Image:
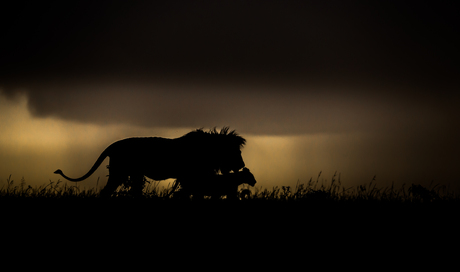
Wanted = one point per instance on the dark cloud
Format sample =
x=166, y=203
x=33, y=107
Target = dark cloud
x=382, y=40
x=277, y=67
x=251, y=108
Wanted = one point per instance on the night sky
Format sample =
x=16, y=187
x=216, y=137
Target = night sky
x=363, y=88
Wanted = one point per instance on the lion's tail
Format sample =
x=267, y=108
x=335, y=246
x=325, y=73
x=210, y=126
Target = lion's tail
x=91, y=171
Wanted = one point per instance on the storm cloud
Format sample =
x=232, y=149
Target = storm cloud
x=382, y=40
x=266, y=67
x=256, y=109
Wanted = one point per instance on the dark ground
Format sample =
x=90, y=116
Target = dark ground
x=130, y=233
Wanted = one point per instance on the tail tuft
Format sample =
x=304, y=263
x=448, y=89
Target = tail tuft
x=58, y=172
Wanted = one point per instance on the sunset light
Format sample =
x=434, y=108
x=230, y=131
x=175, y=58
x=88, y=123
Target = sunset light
x=229, y=132
x=361, y=90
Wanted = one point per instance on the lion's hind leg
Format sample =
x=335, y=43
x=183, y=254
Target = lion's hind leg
x=137, y=185
x=115, y=180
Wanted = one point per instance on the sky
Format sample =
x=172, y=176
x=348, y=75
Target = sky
x=362, y=88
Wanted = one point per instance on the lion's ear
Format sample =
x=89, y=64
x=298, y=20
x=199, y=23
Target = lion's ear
x=246, y=170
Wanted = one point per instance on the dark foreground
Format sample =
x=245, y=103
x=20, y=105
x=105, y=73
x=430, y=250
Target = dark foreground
x=274, y=214
x=256, y=233
x=305, y=205
x=281, y=226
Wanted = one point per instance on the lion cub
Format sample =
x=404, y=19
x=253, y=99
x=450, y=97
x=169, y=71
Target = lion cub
x=216, y=185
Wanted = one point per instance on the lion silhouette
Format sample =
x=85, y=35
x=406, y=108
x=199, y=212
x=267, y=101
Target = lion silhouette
x=196, y=154
x=215, y=186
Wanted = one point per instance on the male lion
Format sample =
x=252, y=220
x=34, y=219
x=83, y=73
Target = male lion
x=196, y=154
x=215, y=185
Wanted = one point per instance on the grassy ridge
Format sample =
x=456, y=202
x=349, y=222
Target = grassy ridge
x=317, y=214
x=312, y=191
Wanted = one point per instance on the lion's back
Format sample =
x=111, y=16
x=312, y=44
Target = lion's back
x=141, y=145
x=161, y=158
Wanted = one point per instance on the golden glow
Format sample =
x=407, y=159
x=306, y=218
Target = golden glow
x=284, y=160
x=34, y=148
x=23, y=132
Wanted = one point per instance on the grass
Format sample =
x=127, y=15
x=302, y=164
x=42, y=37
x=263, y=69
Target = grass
x=325, y=213
x=310, y=192
x=51, y=190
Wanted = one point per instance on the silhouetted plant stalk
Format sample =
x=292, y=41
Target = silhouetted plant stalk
x=50, y=190
x=313, y=190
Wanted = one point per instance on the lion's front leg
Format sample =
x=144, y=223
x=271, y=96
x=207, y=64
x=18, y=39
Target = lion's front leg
x=232, y=193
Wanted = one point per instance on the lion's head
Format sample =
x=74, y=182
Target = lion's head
x=221, y=148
